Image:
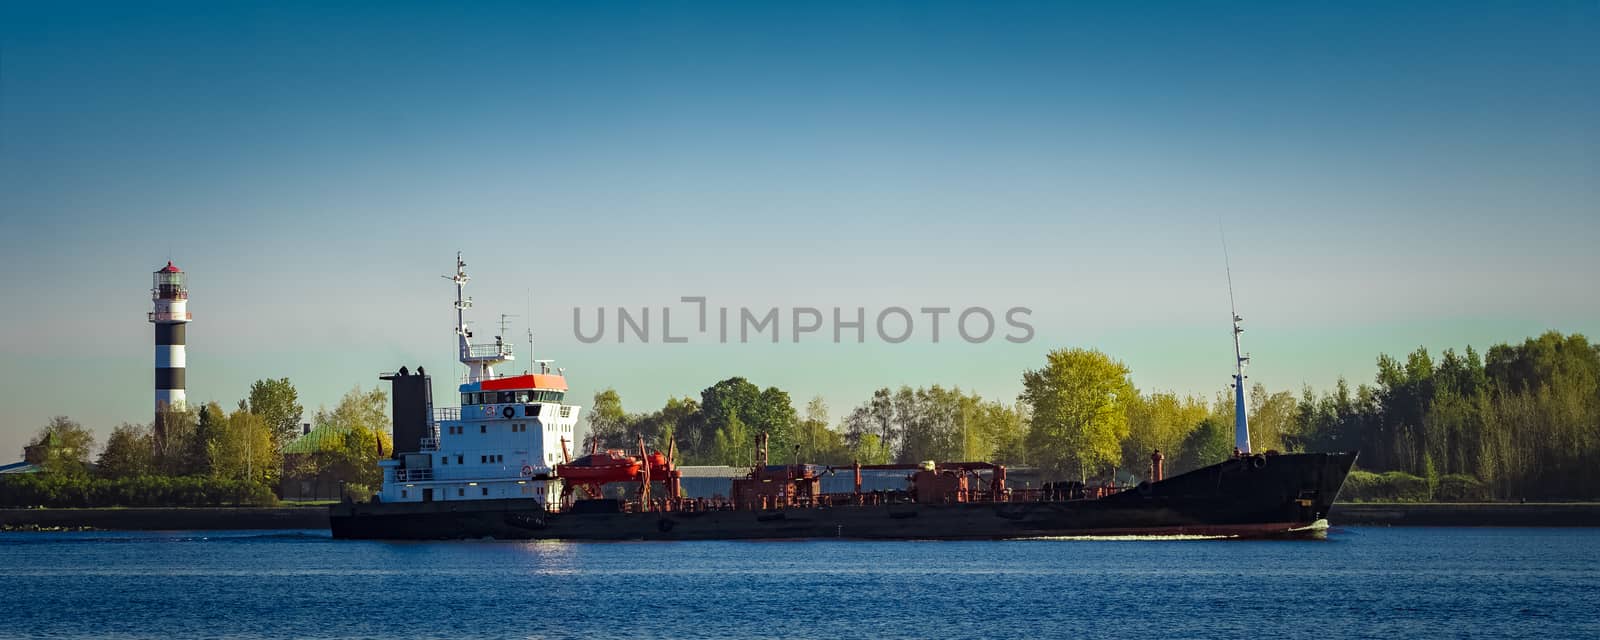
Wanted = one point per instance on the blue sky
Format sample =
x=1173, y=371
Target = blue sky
x=1390, y=176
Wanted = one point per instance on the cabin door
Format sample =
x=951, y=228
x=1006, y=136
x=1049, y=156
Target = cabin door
x=427, y=495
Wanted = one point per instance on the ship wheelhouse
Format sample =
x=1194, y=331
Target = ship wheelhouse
x=502, y=442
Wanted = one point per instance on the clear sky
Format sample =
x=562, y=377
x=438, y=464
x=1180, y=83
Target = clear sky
x=1390, y=175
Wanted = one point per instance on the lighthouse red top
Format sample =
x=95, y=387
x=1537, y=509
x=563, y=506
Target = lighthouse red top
x=169, y=268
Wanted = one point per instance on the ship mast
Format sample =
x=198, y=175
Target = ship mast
x=1241, y=422
x=482, y=360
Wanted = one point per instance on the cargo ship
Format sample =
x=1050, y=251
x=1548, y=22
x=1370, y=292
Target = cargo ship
x=500, y=466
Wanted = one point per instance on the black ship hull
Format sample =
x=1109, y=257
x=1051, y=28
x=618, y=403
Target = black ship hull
x=1266, y=496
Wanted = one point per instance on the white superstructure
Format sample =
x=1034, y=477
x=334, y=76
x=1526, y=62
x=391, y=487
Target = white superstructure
x=502, y=442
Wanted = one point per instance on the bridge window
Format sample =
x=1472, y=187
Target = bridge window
x=522, y=397
x=466, y=398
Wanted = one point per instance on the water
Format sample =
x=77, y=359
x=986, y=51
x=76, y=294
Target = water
x=1360, y=582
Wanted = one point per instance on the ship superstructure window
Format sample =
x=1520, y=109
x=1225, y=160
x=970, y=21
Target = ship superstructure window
x=403, y=493
x=522, y=397
x=461, y=493
x=466, y=398
x=485, y=491
x=459, y=458
x=531, y=410
x=483, y=428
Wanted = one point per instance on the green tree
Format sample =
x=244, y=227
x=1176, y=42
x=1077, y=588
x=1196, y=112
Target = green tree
x=734, y=443
x=607, y=421
x=1003, y=431
x=199, y=450
x=244, y=449
x=666, y=425
x=129, y=453
x=818, y=443
x=61, y=447
x=1271, y=416
x=362, y=421
x=1159, y=421
x=278, y=404
x=172, y=434
x=1078, y=402
x=757, y=410
x=1210, y=442
x=875, y=417
x=870, y=449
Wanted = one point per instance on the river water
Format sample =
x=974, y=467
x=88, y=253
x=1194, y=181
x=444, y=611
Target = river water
x=1359, y=582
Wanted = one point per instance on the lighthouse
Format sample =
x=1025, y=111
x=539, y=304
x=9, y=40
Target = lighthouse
x=171, y=316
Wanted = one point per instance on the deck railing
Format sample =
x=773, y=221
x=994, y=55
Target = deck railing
x=486, y=351
x=413, y=475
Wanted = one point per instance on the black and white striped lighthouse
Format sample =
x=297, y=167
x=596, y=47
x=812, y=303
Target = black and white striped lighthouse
x=171, y=316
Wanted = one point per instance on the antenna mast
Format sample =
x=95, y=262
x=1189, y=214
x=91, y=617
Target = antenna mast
x=1241, y=422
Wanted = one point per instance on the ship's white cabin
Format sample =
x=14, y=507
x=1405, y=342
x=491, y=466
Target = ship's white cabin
x=502, y=442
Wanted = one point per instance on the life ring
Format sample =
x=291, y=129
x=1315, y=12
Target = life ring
x=1258, y=462
x=527, y=470
x=1145, y=488
x=508, y=412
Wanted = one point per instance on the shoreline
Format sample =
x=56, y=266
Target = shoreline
x=1422, y=514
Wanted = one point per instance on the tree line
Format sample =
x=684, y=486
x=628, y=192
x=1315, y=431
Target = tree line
x=203, y=454
x=1521, y=422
